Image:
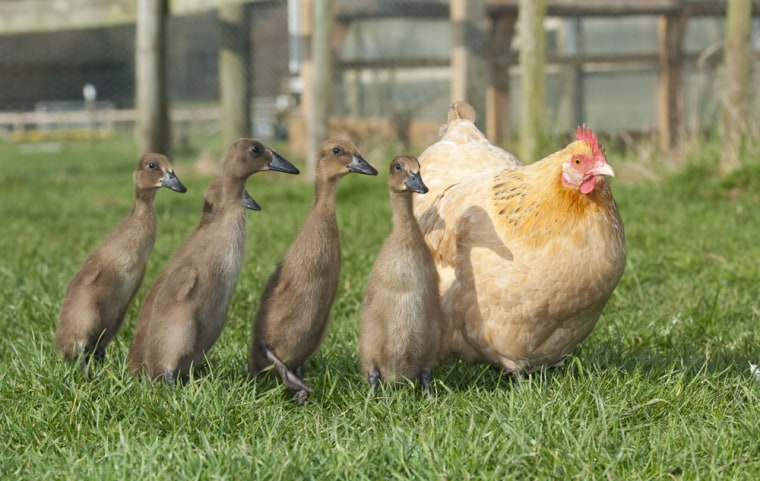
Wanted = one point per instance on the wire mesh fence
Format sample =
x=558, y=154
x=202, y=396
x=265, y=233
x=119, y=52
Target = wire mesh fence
x=393, y=62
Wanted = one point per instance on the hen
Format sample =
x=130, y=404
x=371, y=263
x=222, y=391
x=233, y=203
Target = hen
x=527, y=255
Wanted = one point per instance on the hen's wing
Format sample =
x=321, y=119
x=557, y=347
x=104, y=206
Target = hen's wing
x=461, y=216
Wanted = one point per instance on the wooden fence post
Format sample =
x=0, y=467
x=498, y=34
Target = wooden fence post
x=671, y=29
x=737, y=61
x=469, y=70
x=152, y=126
x=498, y=115
x=321, y=84
x=532, y=76
x=234, y=72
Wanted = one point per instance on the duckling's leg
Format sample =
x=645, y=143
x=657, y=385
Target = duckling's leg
x=425, y=378
x=86, y=353
x=85, y=365
x=171, y=376
x=100, y=353
x=288, y=378
x=373, y=377
x=515, y=378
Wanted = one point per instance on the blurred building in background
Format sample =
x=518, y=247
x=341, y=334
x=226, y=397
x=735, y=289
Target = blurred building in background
x=392, y=63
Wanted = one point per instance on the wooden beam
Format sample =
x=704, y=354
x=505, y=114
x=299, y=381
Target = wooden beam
x=49, y=15
x=53, y=15
x=605, y=8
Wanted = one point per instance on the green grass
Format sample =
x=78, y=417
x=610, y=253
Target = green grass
x=660, y=390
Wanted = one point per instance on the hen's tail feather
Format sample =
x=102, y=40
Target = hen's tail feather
x=461, y=110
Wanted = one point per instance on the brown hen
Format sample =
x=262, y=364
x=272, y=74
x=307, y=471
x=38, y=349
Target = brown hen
x=527, y=255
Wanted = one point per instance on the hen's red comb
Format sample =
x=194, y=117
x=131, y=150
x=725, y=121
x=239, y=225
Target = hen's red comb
x=585, y=134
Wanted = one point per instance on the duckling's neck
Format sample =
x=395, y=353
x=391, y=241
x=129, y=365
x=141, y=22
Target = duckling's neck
x=144, y=201
x=403, y=215
x=232, y=194
x=325, y=193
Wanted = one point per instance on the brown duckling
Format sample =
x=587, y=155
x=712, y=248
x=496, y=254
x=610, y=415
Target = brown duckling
x=211, y=198
x=401, y=312
x=99, y=294
x=295, y=305
x=186, y=308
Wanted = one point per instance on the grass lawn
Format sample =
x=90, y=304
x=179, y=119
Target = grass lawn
x=660, y=390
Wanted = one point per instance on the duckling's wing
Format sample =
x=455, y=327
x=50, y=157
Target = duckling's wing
x=89, y=272
x=180, y=284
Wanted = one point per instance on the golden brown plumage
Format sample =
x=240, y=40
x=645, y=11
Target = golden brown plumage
x=185, y=309
x=295, y=306
x=528, y=255
x=401, y=312
x=98, y=295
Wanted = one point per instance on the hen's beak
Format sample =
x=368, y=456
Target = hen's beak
x=604, y=169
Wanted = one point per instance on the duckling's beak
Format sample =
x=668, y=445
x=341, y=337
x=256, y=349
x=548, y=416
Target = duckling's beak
x=171, y=181
x=415, y=184
x=249, y=203
x=281, y=164
x=361, y=166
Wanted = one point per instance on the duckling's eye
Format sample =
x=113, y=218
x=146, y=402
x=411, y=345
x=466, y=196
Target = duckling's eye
x=256, y=148
x=398, y=167
x=577, y=161
x=337, y=150
x=152, y=165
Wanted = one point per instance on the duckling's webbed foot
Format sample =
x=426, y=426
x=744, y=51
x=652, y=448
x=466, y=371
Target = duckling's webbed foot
x=373, y=377
x=425, y=379
x=171, y=376
x=86, y=354
x=289, y=379
x=301, y=397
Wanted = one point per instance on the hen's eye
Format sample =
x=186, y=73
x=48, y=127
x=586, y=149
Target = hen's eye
x=152, y=165
x=337, y=150
x=577, y=161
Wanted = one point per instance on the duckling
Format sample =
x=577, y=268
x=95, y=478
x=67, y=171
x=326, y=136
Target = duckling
x=99, y=294
x=295, y=305
x=211, y=198
x=401, y=312
x=186, y=308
